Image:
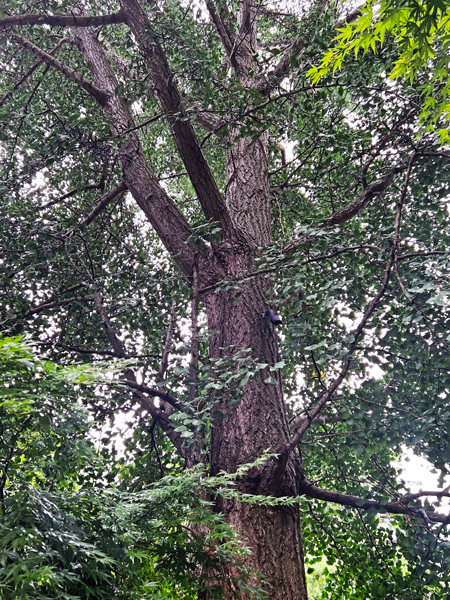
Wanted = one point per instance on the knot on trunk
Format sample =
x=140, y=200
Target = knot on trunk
x=266, y=479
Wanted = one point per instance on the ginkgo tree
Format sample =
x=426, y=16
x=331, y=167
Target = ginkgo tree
x=177, y=194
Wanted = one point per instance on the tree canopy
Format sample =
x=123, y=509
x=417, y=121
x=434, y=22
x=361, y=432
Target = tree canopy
x=173, y=185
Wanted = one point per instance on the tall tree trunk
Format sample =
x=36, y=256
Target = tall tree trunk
x=258, y=421
x=252, y=425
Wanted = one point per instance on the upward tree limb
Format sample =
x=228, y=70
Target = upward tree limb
x=353, y=208
x=104, y=202
x=312, y=414
x=49, y=60
x=222, y=23
x=245, y=45
x=159, y=208
x=295, y=50
x=184, y=135
x=31, y=70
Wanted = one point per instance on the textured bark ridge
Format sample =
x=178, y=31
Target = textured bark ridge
x=247, y=196
x=259, y=420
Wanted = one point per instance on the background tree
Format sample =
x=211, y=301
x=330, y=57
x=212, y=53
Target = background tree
x=146, y=182
x=421, y=31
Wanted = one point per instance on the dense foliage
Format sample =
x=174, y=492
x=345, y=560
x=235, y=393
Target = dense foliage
x=421, y=31
x=95, y=498
x=71, y=525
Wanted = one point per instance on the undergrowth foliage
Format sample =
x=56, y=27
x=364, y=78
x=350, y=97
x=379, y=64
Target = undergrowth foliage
x=66, y=533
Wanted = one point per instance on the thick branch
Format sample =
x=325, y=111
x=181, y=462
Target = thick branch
x=220, y=24
x=62, y=20
x=294, y=51
x=296, y=421
x=115, y=342
x=416, y=254
x=344, y=214
x=356, y=206
x=49, y=60
x=184, y=135
x=400, y=507
x=438, y=493
x=83, y=350
x=159, y=208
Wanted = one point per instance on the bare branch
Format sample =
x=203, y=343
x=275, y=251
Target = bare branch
x=70, y=193
x=46, y=305
x=296, y=421
x=61, y=20
x=437, y=493
x=400, y=507
x=84, y=350
x=72, y=288
x=258, y=107
x=104, y=202
x=155, y=393
x=144, y=123
x=165, y=355
x=287, y=249
x=31, y=70
x=49, y=60
x=415, y=254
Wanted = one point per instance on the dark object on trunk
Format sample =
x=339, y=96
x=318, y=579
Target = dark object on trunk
x=274, y=318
